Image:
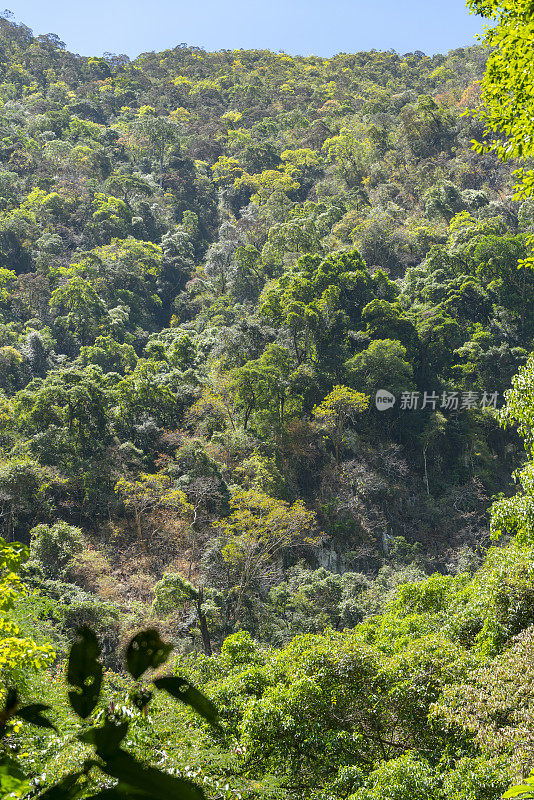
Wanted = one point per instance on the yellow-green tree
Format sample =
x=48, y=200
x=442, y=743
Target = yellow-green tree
x=218, y=397
x=16, y=651
x=149, y=495
x=78, y=309
x=337, y=410
x=257, y=531
x=351, y=152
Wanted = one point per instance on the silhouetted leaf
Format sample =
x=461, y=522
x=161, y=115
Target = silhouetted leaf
x=84, y=672
x=117, y=793
x=141, y=697
x=10, y=705
x=107, y=739
x=145, y=650
x=182, y=690
x=148, y=781
x=121, y=791
x=33, y=713
x=12, y=698
x=67, y=788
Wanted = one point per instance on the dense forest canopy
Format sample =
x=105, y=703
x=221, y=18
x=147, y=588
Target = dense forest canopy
x=258, y=316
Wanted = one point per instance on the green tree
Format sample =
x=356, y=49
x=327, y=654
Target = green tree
x=128, y=186
x=383, y=365
x=68, y=414
x=173, y=590
x=263, y=386
x=516, y=514
x=337, y=410
x=154, y=134
x=316, y=301
x=54, y=546
x=78, y=310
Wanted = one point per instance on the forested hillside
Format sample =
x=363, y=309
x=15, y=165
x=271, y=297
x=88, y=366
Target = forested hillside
x=210, y=264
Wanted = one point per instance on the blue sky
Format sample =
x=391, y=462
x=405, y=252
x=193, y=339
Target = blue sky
x=296, y=26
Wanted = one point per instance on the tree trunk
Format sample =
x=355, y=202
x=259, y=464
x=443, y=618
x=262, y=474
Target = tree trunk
x=138, y=526
x=426, y=472
x=206, y=641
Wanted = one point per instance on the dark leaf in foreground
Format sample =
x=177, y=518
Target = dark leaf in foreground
x=107, y=739
x=182, y=690
x=10, y=705
x=84, y=672
x=118, y=792
x=66, y=789
x=148, y=781
x=33, y=713
x=146, y=650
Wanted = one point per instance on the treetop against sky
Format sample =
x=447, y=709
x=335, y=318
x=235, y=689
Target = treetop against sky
x=300, y=27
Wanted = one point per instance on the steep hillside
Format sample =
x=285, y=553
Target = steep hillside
x=265, y=390
x=210, y=264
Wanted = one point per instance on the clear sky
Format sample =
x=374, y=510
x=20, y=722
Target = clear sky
x=298, y=27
